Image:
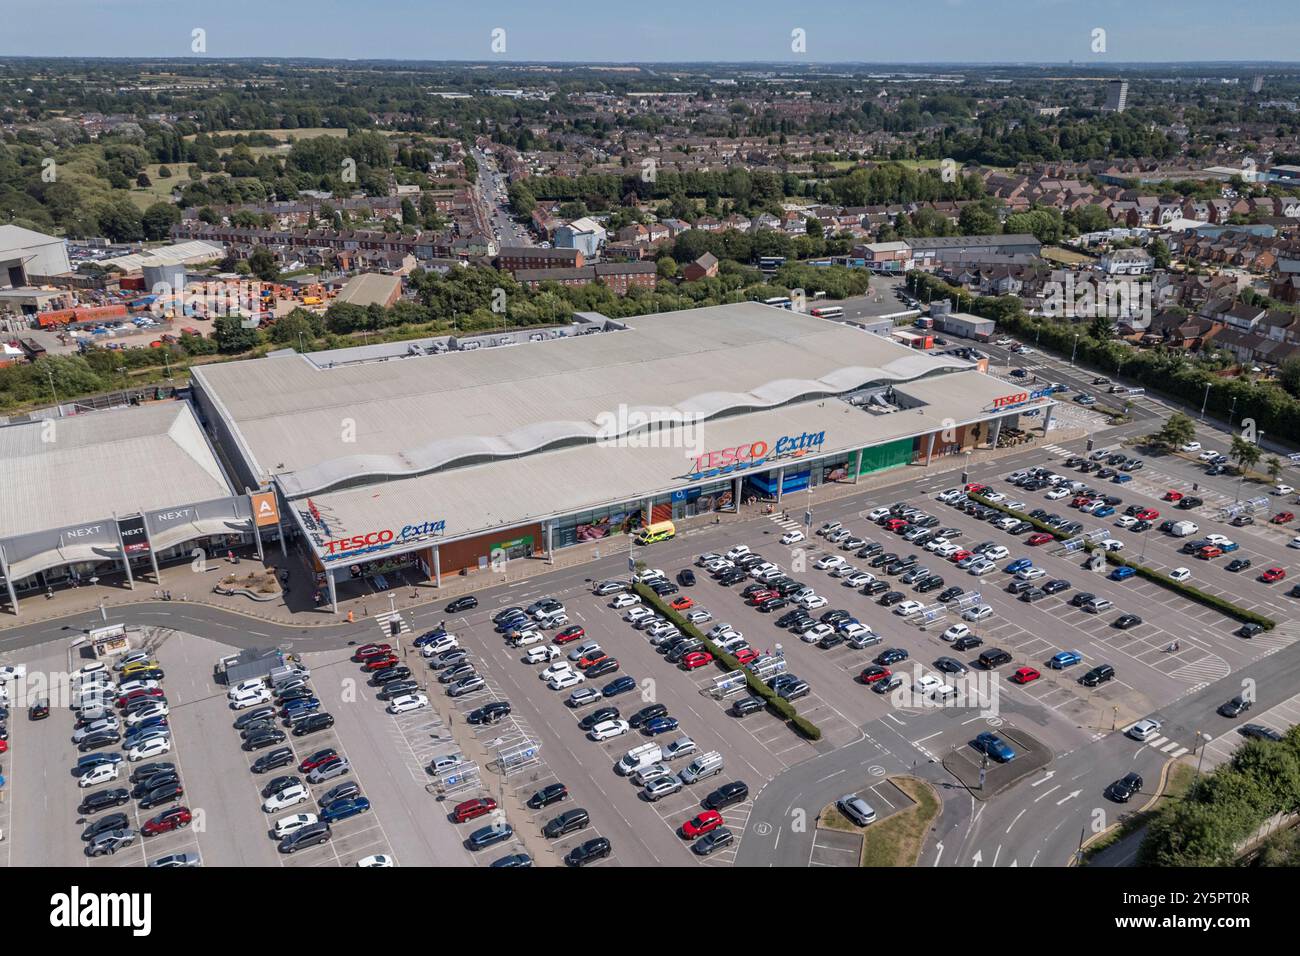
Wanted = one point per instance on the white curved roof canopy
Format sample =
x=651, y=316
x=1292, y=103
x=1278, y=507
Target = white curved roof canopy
x=538, y=436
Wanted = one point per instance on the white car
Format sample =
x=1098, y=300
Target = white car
x=444, y=643
x=792, y=537
x=875, y=514
x=844, y=571
x=739, y=551
x=290, y=796
x=859, y=579
x=134, y=685
x=996, y=553
x=927, y=684
x=582, y=650
x=1208, y=455
x=956, y=631
x=698, y=615
x=565, y=681
x=830, y=563
x=981, y=567
x=12, y=672
x=1056, y=493
x=706, y=557
x=94, y=727
x=525, y=638
x=1144, y=729
x=1283, y=490
x=994, y=496
x=1031, y=574
x=245, y=687
x=1190, y=446
x=97, y=775
x=251, y=699
x=947, y=549
x=608, y=729
x=908, y=607
x=293, y=823
x=1125, y=521
x=815, y=634
x=948, y=497
x=649, y=574
x=159, y=709
x=407, y=703
x=1219, y=539
x=625, y=600
x=1180, y=574
x=810, y=602
x=555, y=670
x=722, y=632
x=379, y=860
x=1111, y=544
x=147, y=750
x=540, y=655
x=1294, y=542
x=934, y=544
x=980, y=613
x=638, y=614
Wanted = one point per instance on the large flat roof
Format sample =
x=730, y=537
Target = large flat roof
x=316, y=427
x=64, y=471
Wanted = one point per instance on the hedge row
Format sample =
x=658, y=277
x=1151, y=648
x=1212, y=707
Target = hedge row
x=775, y=703
x=1226, y=608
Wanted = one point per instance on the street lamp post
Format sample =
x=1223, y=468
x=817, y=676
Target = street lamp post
x=1205, y=401
x=1203, y=739
x=1074, y=350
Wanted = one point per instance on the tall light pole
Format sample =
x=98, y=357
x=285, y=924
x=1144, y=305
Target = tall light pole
x=1074, y=350
x=1205, y=401
x=1204, y=740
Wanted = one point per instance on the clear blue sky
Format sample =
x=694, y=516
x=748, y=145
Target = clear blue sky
x=873, y=31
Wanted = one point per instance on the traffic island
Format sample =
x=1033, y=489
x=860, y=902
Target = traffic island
x=906, y=807
x=966, y=763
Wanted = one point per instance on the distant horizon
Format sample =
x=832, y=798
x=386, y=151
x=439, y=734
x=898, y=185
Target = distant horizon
x=1097, y=33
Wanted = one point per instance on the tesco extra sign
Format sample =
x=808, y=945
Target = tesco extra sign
x=755, y=453
x=376, y=540
x=1005, y=400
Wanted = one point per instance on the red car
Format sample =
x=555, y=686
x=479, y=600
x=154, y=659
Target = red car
x=745, y=655
x=318, y=758
x=682, y=603
x=961, y=555
x=470, y=809
x=1038, y=537
x=367, y=651
x=571, y=633
x=1173, y=496
x=139, y=695
x=1209, y=551
x=701, y=824
x=1147, y=514
x=587, y=660
x=696, y=659
x=177, y=818
x=895, y=524
x=874, y=673
x=1282, y=517
x=975, y=487
x=1080, y=501
x=1272, y=575
x=1025, y=675
x=4, y=746
x=379, y=663
x=758, y=597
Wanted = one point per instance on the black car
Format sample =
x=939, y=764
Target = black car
x=98, y=739
x=567, y=822
x=1098, y=675
x=713, y=840
x=153, y=782
x=834, y=616
x=790, y=617
x=396, y=672
x=875, y=587
x=599, y=715
x=731, y=578
x=967, y=642
x=1056, y=585
x=728, y=795
x=773, y=604
x=834, y=639
x=264, y=738
x=114, y=821
x=1238, y=564
x=313, y=723
x=160, y=795
x=747, y=705
x=1126, y=621
x=686, y=577
x=513, y=860
x=1188, y=503
x=280, y=757
x=1081, y=598
x=1249, y=630
x=891, y=598
x=891, y=656
x=491, y=713
x=102, y=800
x=589, y=852
x=870, y=550
x=1123, y=789
x=147, y=770
x=646, y=714
x=602, y=667
x=281, y=783
x=297, y=693
x=950, y=594
x=1258, y=732
x=552, y=793
x=950, y=665
x=397, y=688
x=253, y=716
x=466, y=603
x=1235, y=707
x=258, y=727
x=925, y=585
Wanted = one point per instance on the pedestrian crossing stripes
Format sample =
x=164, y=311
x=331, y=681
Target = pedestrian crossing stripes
x=789, y=524
x=1170, y=748
x=384, y=622
x=1209, y=668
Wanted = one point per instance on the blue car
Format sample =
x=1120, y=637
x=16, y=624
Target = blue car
x=619, y=686
x=1122, y=573
x=430, y=636
x=512, y=624
x=995, y=747
x=487, y=836
x=659, y=725
x=1226, y=546
x=1020, y=564
x=1065, y=659
x=342, y=809
x=302, y=703
x=1105, y=511
x=1121, y=479
x=845, y=624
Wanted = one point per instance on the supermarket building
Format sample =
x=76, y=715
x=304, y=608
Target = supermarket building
x=434, y=462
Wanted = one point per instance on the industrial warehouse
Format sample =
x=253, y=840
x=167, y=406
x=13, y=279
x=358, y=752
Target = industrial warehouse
x=456, y=456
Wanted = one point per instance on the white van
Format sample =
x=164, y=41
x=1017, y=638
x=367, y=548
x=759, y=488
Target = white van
x=1182, y=529
x=705, y=765
x=638, y=758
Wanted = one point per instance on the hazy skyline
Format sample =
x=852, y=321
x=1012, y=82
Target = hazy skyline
x=869, y=31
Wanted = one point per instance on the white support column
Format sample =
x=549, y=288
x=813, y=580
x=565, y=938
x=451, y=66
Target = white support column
x=857, y=465
x=9, y=581
x=780, y=483
x=334, y=594
x=126, y=558
x=735, y=494
x=994, y=432
x=929, y=450
x=1047, y=419
x=153, y=555
x=550, y=552
x=437, y=566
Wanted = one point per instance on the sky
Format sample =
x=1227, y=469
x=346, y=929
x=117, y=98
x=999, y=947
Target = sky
x=859, y=31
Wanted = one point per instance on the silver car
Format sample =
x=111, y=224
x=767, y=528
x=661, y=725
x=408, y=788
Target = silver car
x=466, y=685
x=178, y=859
x=583, y=696
x=106, y=844
x=661, y=787
x=328, y=771
x=856, y=809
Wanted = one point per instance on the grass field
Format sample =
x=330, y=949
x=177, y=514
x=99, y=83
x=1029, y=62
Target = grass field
x=898, y=839
x=1067, y=256
x=160, y=189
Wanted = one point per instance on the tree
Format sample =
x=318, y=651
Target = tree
x=233, y=337
x=1274, y=465
x=1101, y=328
x=263, y=265
x=976, y=220
x=1289, y=375
x=1177, y=430
x=1160, y=256
x=158, y=220
x=1245, y=453
x=121, y=221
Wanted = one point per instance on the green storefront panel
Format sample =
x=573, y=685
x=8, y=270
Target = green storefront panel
x=892, y=455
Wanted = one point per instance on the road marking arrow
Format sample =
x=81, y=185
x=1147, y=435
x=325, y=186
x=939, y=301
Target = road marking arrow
x=979, y=855
x=1043, y=779
x=1068, y=796
x=939, y=847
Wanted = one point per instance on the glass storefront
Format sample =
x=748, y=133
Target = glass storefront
x=891, y=455
x=690, y=502
x=601, y=523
